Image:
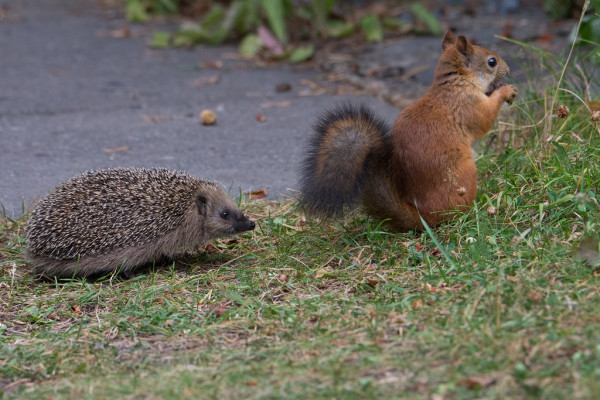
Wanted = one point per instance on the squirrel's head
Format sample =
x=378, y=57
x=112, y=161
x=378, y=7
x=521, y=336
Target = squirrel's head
x=480, y=66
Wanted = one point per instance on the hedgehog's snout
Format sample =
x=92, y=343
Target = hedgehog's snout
x=244, y=224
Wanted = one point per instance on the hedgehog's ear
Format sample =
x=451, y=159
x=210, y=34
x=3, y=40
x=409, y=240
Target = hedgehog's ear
x=202, y=204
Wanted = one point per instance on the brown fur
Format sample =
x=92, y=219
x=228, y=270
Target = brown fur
x=424, y=167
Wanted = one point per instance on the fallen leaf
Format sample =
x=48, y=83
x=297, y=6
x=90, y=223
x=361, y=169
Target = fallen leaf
x=372, y=282
x=478, y=382
x=593, y=105
x=120, y=33
x=261, y=118
x=116, y=149
x=212, y=65
x=257, y=194
x=536, y=297
x=321, y=272
x=562, y=111
x=157, y=119
x=547, y=37
x=76, y=310
x=251, y=383
x=206, y=81
x=507, y=29
x=417, y=304
x=285, y=103
x=283, y=87
x=221, y=310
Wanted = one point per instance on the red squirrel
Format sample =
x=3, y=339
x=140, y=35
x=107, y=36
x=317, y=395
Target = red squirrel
x=422, y=166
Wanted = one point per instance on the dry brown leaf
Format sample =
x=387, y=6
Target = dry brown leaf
x=206, y=81
x=270, y=104
x=283, y=87
x=372, y=282
x=478, y=382
x=562, y=111
x=116, y=149
x=321, y=272
x=157, y=119
x=120, y=33
x=212, y=65
x=257, y=194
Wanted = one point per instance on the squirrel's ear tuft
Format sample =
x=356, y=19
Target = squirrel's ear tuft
x=464, y=47
x=448, y=40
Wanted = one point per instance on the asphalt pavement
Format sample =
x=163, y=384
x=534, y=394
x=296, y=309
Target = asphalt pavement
x=75, y=96
x=79, y=92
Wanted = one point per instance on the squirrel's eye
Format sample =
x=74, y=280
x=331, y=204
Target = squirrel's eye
x=224, y=214
x=492, y=62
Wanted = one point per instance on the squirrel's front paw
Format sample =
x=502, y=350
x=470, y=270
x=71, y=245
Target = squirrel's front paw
x=508, y=93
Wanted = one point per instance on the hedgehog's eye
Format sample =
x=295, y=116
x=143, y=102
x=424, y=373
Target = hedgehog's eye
x=224, y=214
x=492, y=62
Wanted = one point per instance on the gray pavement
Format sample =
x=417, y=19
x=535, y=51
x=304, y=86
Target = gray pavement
x=73, y=97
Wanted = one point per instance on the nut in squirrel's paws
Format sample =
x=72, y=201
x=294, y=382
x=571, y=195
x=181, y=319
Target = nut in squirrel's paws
x=509, y=92
x=493, y=87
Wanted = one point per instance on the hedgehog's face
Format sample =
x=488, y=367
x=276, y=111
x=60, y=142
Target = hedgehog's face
x=221, y=215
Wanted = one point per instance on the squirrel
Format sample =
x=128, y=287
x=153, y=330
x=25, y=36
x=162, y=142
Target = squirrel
x=423, y=165
x=112, y=220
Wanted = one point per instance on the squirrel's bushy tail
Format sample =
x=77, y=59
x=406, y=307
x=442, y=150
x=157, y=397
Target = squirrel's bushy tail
x=348, y=144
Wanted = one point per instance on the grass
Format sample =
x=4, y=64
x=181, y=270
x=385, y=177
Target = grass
x=501, y=303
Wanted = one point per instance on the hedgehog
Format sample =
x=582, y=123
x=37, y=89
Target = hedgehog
x=115, y=220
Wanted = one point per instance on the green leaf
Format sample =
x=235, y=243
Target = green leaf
x=372, y=27
x=321, y=9
x=160, y=40
x=213, y=16
x=250, y=45
x=192, y=31
x=179, y=40
x=302, y=53
x=426, y=17
x=339, y=29
x=249, y=18
x=228, y=23
x=442, y=249
x=165, y=6
x=135, y=11
x=276, y=16
x=395, y=23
